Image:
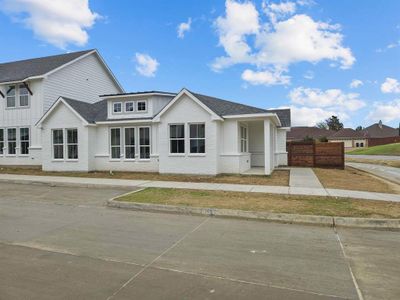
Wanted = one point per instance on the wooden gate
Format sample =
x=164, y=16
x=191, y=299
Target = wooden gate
x=311, y=154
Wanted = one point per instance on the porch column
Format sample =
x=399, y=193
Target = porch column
x=267, y=147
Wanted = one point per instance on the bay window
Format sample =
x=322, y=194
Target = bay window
x=72, y=143
x=130, y=143
x=197, y=138
x=115, y=143
x=58, y=144
x=144, y=142
x=24, y=141
x=177, y=138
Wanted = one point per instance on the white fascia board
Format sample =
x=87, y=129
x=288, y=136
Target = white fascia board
x=124, y=122
x=60, y=100
x=214, y=116
x=256, y=116
x=124, y=96
x=23, y=80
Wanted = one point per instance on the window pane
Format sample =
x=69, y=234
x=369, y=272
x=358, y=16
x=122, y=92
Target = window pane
x=11, y=96
x=1, y=141
x=129, y=136
x=11, y=90
x=193, y=146
x=24, y=138
x=144, y=136
x=130, y=152
x=10, y=101
x=145, y=152
x=116, y=152
x=177, y=131
x=72, y=151
x=174, y=146
x=193, y=131
x=115, y=137
x=201, y=130
x=58, y=151
x=141, y=106
x=72, y=136
x=129, y=106
x=117, y=107
x=12, y=134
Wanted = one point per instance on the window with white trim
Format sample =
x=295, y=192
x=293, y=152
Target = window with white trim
x=115, y=143
x=58, y=143
x=12, y=141
x=141, y=105
x=130, y=143
x=11, y=96
x=72, y=143
x=177, y=138
x=1, y=141
x=129, y=106
x=117, y=107
x=23, y=96
x=243, y=139
x=197, y=138
x=24, y=140
x=144, y=142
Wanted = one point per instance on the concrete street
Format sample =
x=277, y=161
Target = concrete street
x=63, y=243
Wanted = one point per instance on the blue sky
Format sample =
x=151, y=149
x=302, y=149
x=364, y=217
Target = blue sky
x=301, y=54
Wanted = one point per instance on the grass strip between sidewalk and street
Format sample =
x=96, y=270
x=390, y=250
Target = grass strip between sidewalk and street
x=277, y=178
x=292, y=204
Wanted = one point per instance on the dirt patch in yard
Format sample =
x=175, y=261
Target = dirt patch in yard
x=352, y=179
x=307, y=205
x=277, y=178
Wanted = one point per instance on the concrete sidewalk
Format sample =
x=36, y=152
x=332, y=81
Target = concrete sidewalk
x=374, y=157
x=304, y=178
x=121, y=183
x=389, y=173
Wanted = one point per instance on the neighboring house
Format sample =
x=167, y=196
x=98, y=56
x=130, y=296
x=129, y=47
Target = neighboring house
x=300, y=133
x=351, y=138
x=163, y=132
x=28, y=88
x=380, y=134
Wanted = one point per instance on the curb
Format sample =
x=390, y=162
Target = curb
x=260, y=216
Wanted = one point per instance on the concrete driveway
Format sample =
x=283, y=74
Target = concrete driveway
x=62, y=243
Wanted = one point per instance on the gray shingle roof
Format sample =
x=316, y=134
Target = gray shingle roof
x=97, y=112
x=225, y=108
x=380, y=131
x=20, y=70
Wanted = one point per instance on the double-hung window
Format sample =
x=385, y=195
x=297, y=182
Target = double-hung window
x=197, y=138
x=115, y=143
x=129, y=143
x=177, y=138
x=58, y=144
x=12, y=141
x=117, y=107
x=1, y=141
x=243, y=139
x=23, y=96
x=24, y=140
x=72, y=143
x=144, y=142
x=11, y=96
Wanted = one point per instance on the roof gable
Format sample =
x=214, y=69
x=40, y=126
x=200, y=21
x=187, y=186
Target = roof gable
x=377, y=131
x=23, y=69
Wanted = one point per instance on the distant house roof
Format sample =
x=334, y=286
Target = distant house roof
x=301, y=132
x=347, y=133
x=97, y=112
x=378, y=130
x=24, y=69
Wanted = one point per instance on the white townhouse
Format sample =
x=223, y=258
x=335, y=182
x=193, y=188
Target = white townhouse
x=186, y=133
x=28, y=88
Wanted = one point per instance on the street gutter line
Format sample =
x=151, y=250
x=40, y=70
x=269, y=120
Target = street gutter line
x=358, y=290
x=157, y=258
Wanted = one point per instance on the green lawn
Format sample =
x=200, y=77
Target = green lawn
x=292, y=204
x=390, y=149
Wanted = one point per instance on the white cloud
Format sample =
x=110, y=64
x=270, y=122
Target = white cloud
x=57, y=22
x=309, y=75
x=331, y=99
x=184, y=27
x=386, y=112
x=307, y=116
x=355, y=83
x=146, y=65
x=391, y=85
x=284, y=39
x=266, y=77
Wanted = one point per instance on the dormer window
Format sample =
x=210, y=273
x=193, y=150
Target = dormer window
x=11, y=95
x=117, y=107
x=129, y=106
x=141, y=106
